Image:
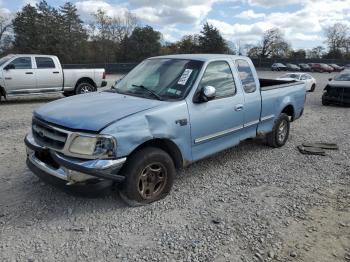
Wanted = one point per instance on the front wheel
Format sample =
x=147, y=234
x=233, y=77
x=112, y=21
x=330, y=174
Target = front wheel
x=324, y=101
x=149, y=175
x=280, y=132
x=313, y=87
x=84, y=87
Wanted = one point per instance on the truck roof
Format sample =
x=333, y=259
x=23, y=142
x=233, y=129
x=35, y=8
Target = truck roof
x=201, y=57
x=30, y=55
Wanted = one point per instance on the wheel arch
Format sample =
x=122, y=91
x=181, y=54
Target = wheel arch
x=168, y=146
x=85, y=80
x=289, y=111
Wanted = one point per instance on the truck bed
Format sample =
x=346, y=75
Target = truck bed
x=277, y=94
x=268, y=84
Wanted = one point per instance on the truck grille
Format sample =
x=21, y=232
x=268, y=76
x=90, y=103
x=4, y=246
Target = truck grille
x=342, y=93
x=48, y=136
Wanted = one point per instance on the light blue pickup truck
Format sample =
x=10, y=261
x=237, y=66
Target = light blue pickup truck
x=167, y=113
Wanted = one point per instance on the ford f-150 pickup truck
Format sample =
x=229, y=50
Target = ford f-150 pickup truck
x=42, y=74
x=167, y=113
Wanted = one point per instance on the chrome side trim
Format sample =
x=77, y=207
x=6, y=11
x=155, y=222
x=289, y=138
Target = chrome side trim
x=35, y=90
x=217, y=135
x=267, y=118
x=251, y=123
x=34, y=94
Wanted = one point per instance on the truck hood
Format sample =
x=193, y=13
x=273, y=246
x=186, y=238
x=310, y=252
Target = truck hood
x=94, y=111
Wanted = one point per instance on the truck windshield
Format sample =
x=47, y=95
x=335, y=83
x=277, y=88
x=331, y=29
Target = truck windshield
x=342, y=77
x=160, y=78
x=4, y=59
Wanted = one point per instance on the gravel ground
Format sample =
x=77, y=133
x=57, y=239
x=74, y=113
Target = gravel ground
x=249, y=203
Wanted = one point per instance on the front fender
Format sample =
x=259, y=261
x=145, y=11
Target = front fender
x=158, y=123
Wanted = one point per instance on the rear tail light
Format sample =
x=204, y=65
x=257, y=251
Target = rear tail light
x=104, y=75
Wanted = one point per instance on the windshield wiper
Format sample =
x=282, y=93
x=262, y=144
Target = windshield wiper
x=149, y=91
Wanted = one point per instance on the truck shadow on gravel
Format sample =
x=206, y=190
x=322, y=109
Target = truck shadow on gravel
x=29, y=100
x=53, y=202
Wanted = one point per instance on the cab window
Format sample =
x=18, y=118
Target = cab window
x=246, y=76
x=22, y=63
x=44, y=62
x=219, y=75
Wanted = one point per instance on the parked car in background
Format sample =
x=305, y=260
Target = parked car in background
x=321, y=68
x=337, y=91
x=293, y=67
x=43, y=74
x=305, y=67
x=336, y=68
x=167, y=113
x=347, y=67
x=278, y=67
x=310, y=82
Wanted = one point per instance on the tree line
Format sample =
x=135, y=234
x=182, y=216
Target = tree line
x=105, y=39
x=60, y=31
x=274, y=45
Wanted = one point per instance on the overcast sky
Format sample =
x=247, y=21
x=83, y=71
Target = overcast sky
x=302, y=21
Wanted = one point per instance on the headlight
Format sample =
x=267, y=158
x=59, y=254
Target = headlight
x=93, y=146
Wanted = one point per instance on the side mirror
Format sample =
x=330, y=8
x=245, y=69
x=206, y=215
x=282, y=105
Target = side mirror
x=116, y=83
x=205, y=94
x=208, y=93
x=9, y=66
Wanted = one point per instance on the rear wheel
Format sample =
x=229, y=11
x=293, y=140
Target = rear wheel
x=280, y=132
x=149, y=175
x=84, y=87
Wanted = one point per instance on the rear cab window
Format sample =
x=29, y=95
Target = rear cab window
x=246, y=75
x=44, y=62
x=219, y=75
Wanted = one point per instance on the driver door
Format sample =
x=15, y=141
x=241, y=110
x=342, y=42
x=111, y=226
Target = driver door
x=216, y=124
x=20, y=76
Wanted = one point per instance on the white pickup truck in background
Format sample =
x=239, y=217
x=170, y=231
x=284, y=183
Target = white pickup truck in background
x=42, y=74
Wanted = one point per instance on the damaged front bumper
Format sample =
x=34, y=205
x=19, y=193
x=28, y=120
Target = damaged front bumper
x=43, y=161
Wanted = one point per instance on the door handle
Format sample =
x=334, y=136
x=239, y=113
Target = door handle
x=239, y=107
x=55, y=72
x=29, y=73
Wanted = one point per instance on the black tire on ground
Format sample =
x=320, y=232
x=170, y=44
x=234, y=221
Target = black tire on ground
x=313, y=87
x=84, y=87
x=324, y=101
x=280, y=132
x=149, y=175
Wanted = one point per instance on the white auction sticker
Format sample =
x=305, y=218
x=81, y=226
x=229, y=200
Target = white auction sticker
x=185, y=76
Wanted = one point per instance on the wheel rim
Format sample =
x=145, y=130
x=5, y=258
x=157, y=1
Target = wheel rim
x=282, y=131
x=86, y=89
x=152, y=180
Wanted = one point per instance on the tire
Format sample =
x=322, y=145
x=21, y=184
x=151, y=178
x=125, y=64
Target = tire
x=278, y=137
x=313, y=87
x=84, y=87
x=324, y=101
x=150, y=174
